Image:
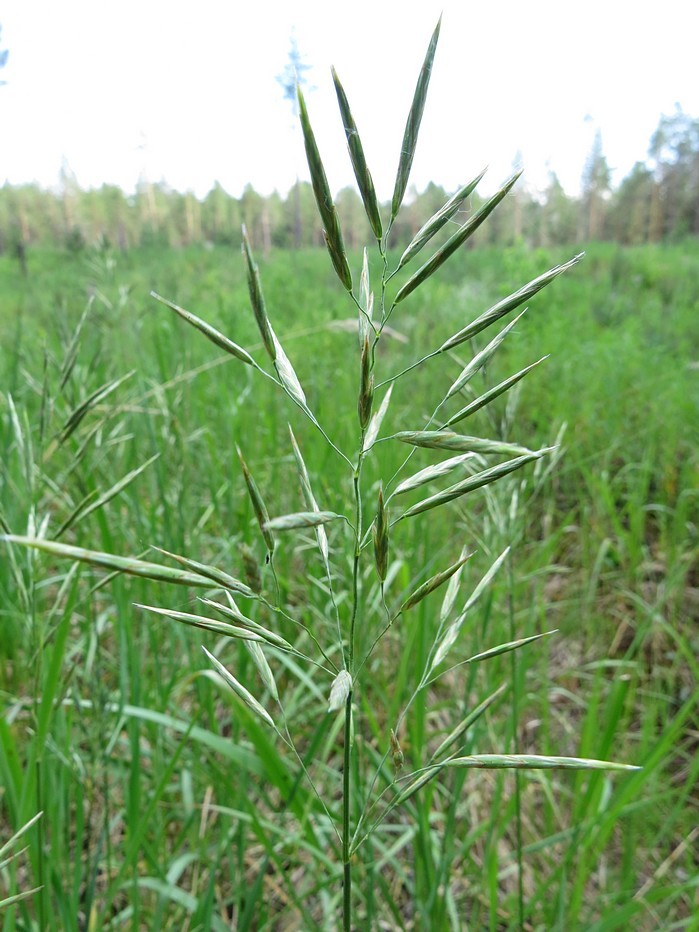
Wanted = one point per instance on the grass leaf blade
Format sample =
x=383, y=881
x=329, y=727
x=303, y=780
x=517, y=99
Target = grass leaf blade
x=85, y=509
x=19, y=833
x=76, y=416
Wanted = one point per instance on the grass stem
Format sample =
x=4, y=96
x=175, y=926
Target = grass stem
x=346, y=827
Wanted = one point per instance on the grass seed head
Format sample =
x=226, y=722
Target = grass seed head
x=366, y=301
x=515, y=300
x=366, y=386
x=380, y=534
x=438, y=220
x=217, y=338
x=434, y=582
x=377, y=420
x=238, y=688
x=477, y=481
x=326, y=207
x=455, y=241
x=356, y=152
x=340, y=691
x=257, y=299
x=412, y=126
x=396, y=752
x=258, y=504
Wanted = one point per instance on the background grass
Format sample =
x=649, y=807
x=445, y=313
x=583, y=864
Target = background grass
x=165, y=804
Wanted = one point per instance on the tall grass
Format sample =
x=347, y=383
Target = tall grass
x=257, y=829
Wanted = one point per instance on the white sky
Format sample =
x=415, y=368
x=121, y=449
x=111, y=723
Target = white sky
x=186, y=92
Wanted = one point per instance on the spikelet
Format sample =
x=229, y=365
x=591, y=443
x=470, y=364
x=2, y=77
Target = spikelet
x=380, y=533
x=366, y=386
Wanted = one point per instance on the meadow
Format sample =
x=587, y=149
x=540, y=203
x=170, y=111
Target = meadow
x=166, y=804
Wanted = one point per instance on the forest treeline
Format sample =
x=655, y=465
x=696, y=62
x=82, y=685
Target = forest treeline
x=657, y=201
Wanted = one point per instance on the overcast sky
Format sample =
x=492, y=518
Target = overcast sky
x=187, y=92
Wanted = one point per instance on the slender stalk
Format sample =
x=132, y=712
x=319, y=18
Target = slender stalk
x=307, y=631
x=396, y=728
x=347, y=757
x=379, y=636
x=37, y=636
x=41, y=866
x=286, y=737
x=355, y=564
x=305, y=410
x=398, y=375
x=515, y=737
x=346, y=839
x=273, y=571
x=412, y=452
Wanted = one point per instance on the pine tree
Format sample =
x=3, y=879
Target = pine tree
x=3, y=56
x=596, y=180
x=291, y=78
x=674, y=150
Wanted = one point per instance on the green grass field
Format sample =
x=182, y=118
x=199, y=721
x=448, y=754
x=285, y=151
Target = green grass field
x=165, y=803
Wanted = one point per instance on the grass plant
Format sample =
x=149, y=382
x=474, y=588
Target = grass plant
x=356, y=706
